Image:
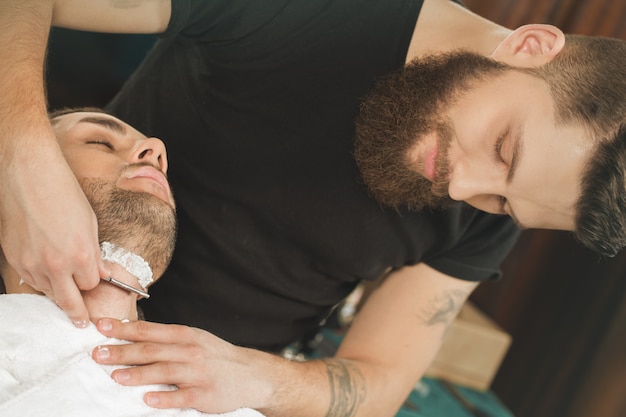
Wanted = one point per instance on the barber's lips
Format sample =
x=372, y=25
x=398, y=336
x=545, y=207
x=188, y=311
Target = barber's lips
x=430, y=164
x=152, y=174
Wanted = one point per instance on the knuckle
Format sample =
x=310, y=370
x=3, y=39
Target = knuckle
x=28, y=264
x=83, y=256
x=55, y=265
x=193, y=352
x=170, y=370
x=44, y=288
x=189, y=397
x=183, y=332
x=65, y=303
x=150, y=350
x=142, y=328
x=114, y=354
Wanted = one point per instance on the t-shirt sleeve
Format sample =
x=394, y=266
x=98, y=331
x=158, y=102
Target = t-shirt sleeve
x=217, y=20
x=481, y=249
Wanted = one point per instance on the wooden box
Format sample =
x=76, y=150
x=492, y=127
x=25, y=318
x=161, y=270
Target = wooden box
x=472, y=350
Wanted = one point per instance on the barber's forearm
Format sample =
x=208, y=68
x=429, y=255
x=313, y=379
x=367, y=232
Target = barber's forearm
x=335, y=387
x=24, y=29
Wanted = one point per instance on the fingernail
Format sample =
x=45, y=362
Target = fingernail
x=102, y=353
x=81, y=324
x=121, y=376
x=105, y=324
x=152, y=400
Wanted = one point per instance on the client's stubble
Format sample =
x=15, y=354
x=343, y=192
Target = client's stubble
x=137, y=221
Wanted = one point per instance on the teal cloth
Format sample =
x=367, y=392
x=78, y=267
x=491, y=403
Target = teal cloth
x=432, y=399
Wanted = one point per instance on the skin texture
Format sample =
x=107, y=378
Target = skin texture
x=34, y=238
x=398, y=330
x=465, y=138
x=105, y=154
x=347, y=390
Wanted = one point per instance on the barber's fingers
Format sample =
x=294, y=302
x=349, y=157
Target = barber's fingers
x=213, y=402
x=103, y=270
x=69, y=298
x=197, y=387
x=183, y=398
x=144, y=331
x=208, y=371
x=63, y=292
x=187, y=348
x=173, y=373
x=86, y=274
x=63, y=286
x=135, y=354
x=67, y=291
x=27, y=278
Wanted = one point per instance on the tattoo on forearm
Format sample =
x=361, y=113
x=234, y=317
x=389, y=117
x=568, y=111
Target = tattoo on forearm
x=443, y=308
x=347, y=388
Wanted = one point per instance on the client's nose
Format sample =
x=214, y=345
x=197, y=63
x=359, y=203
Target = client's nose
x=151, y=150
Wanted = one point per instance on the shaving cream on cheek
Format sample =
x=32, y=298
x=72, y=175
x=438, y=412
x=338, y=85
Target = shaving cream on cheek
x=132, y=263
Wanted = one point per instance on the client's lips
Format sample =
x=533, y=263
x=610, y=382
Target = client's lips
x=152, y=174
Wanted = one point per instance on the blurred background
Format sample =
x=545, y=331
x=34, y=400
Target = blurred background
x=564, y=306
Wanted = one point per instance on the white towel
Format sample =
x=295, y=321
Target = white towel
x=46, y=368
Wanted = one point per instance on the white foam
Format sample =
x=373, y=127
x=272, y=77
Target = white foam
x=131, y=262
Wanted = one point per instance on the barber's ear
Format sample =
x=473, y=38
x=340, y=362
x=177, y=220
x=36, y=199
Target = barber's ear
x=530, y=46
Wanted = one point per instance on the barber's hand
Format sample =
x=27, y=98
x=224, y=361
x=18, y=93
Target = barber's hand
x=212, y=375
x=48, y=230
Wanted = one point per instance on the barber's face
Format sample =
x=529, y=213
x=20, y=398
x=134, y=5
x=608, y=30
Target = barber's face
x=98, y=145
x=508, y=156
x=487, y=137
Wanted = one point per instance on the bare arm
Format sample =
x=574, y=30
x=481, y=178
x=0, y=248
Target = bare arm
x=113, y=16
x=398, y=332
x=48, y=231
x=388, y=348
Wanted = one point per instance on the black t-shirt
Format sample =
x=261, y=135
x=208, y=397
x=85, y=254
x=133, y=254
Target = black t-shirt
x=255, y=101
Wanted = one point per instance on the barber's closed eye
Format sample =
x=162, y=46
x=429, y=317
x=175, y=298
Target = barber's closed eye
x=498, y=146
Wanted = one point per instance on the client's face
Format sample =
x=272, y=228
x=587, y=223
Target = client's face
x=123, y=175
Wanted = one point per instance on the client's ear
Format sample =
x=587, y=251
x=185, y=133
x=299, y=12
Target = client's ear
x=530, y=46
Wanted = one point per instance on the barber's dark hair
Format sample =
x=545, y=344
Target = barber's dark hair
x=601, y=209
x=588, y=83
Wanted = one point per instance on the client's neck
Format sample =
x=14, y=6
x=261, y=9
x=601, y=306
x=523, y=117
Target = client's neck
x=105, y=300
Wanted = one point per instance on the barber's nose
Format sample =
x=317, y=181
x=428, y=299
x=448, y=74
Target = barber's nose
x=479, y=185
x=151, y=150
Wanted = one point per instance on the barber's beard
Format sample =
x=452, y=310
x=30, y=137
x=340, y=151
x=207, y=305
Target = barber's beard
x=399, y=112
x=136, y=221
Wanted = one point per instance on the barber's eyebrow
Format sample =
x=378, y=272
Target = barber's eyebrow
x=105, y=122
x=515, y=158
x=517, y=153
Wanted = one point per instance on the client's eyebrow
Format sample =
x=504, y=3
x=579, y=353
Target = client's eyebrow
x=105, y=122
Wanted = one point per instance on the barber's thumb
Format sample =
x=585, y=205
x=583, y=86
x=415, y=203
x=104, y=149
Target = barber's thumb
x=104, y=271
